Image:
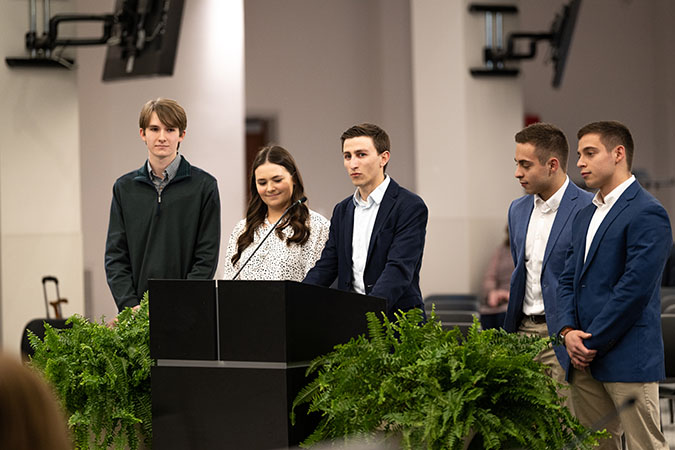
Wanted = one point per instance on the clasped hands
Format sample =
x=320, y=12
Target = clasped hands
x=580, y=355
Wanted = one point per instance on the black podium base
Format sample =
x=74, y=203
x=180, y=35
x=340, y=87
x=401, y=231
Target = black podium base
x=227, y=408
x=232, y=357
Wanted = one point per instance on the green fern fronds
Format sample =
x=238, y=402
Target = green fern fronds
x=433, y=388
x=102, y=376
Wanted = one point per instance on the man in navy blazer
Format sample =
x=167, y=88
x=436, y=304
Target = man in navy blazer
x=609, y=294
x=540, y=226
x=376, y=237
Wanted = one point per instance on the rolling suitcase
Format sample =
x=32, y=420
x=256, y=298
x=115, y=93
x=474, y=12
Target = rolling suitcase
x=37, y=325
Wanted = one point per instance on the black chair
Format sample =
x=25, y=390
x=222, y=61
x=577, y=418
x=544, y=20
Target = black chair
x=444, y=297
x=456, y=316
x=463, y=327
x=667, y=386
x=456, y=305
x=455, y=302
x=453, y=310
x=667, y=301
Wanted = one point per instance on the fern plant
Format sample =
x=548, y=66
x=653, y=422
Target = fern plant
x=102, y=376
x=434, y=388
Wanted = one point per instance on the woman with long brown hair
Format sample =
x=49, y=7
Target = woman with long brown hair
x=296, y=244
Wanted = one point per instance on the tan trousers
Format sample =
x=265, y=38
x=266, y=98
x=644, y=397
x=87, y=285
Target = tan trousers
x=548, y=358
x=596, y=405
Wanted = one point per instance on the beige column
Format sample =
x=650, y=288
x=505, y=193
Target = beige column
x=40, y=209
x=464, y=130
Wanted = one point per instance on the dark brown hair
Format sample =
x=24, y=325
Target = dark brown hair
x=30, y=416
x=297, y=218
x=378, y=135
x=548, y=141
x=612, y=134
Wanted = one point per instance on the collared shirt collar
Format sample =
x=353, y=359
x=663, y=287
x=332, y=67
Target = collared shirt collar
x=170, y=170
x=375, y=197
x=613, y=196
x=552, y=204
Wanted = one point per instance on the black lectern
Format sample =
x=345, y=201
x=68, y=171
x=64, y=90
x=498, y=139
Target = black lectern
x=231, y=357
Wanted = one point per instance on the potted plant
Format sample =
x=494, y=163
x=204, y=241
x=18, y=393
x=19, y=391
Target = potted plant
x=435, y=389
x=102, y=375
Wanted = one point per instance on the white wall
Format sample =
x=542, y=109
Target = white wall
x=620, y=67
x=39, y=182
x=320, y=67
x=208, y=82
x=464, y=130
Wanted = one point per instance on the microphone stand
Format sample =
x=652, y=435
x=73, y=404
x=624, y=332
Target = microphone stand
x=274, y=227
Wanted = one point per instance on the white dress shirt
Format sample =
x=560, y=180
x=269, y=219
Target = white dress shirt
x=365, y=213
x=603, y=205
x=538, y=232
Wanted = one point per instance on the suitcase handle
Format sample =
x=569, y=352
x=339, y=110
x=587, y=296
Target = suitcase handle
x=57, y=303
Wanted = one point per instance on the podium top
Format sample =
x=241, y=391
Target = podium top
x=255, y=321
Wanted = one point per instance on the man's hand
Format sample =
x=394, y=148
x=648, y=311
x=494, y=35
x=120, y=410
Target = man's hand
x=580, y=355
x=113, y=322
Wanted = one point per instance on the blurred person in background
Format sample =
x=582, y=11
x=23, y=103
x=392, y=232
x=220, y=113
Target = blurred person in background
x=30, y=416
x=495, y=298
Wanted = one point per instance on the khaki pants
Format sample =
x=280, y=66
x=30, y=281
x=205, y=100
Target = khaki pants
x=548, y=358
x=596, y=406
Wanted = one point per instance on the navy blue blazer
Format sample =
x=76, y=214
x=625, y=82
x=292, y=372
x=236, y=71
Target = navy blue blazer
x=520, y=211
x=615, y=294
x=395, y=251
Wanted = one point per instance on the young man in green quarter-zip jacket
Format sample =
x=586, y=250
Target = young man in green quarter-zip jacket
x=165, y=216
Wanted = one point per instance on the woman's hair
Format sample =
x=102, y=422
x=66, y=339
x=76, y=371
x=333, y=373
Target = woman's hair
x=30, y=416
x=257, y=209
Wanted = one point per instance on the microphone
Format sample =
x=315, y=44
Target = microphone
x=274, y=227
